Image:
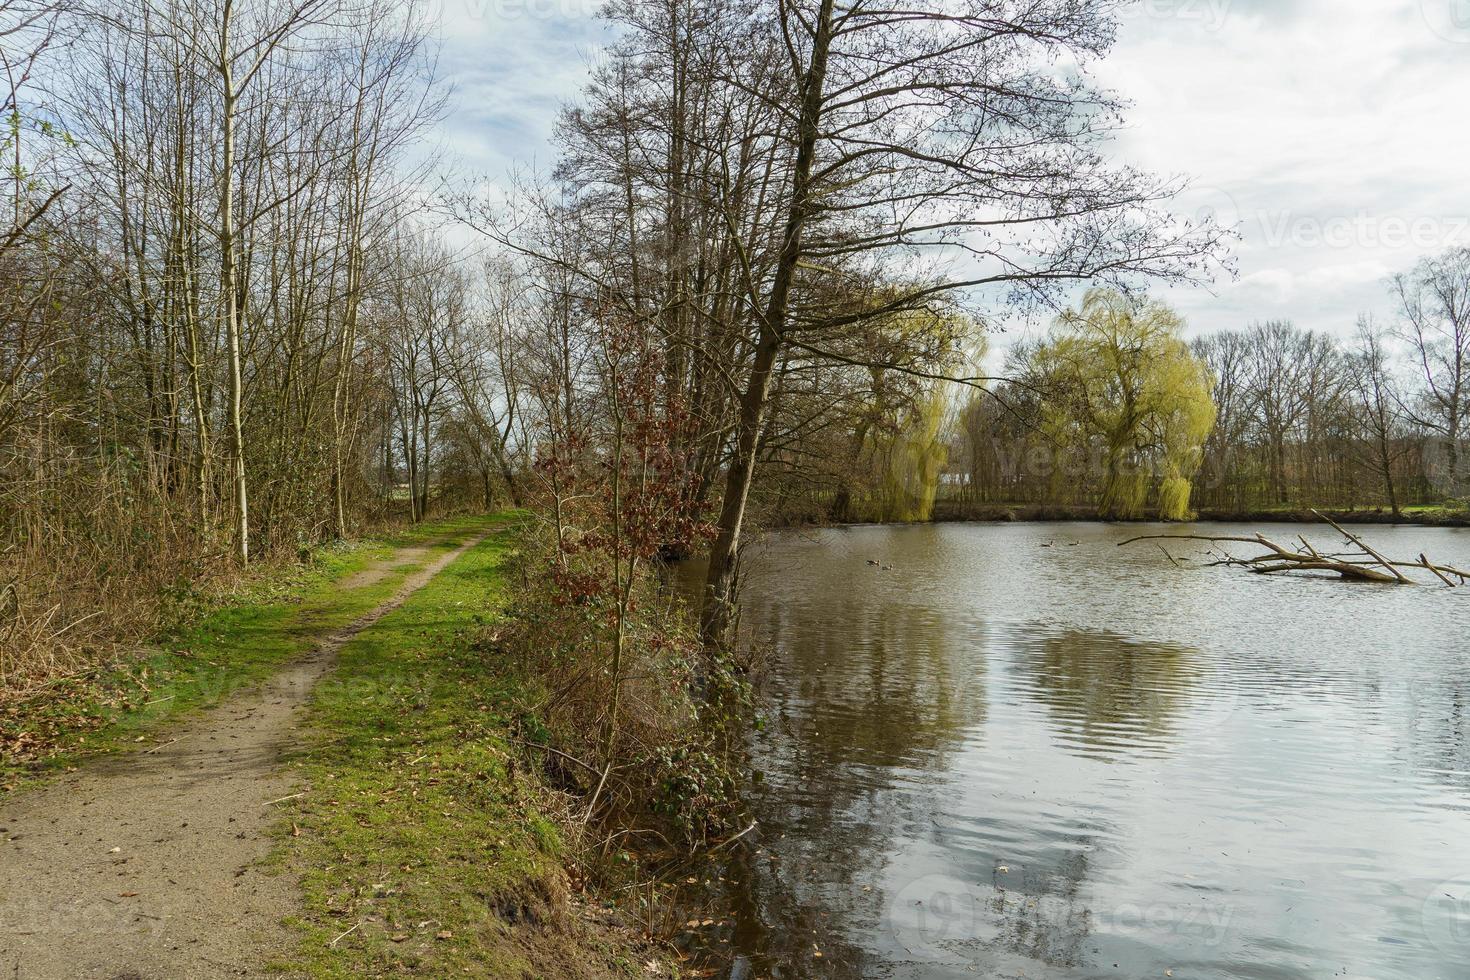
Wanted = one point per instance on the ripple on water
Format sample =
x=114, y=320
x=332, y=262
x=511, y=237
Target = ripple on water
x=1079, y=762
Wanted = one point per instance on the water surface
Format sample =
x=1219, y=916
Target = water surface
x=1022, y=751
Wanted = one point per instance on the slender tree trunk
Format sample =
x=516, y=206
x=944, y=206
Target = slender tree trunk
x=424, y=469
x=1452, y=451
x=1393, y=496
x=724, y=555
x=507, y=473
x=231, y=297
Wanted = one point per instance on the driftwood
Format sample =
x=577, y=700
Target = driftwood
x=1363, y=564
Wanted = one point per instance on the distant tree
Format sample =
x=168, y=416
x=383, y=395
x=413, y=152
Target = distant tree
x=1378, y=403
x=1227, y=356
x=1434, y=306
x=1279, y=392
x=1120, y=374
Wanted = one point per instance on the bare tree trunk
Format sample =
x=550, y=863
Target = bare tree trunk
x=231, y=294
x=724, y=555
x=424, y=469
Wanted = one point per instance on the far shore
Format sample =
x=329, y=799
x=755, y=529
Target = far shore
x=954, y=513
x=945, y=513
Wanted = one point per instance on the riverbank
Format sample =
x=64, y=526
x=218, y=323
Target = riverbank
x=945, y=512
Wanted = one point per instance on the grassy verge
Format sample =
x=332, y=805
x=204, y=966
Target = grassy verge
x=271, y=619
x=421, y=841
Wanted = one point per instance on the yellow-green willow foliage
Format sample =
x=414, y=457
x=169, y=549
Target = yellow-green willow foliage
x=1123, y=380
x=915, y=460
x=903, y=425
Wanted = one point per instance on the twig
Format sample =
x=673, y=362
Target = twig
x=165, y=745
x=284, y=799
x=334, y=942
x=727, y=843
x=556, y=752
x=1171, y=558
x=592, y=804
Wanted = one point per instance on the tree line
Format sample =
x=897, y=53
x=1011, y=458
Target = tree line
x=227, y=326
x=1372, y=418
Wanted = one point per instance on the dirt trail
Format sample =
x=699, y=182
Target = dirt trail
x=145, y=866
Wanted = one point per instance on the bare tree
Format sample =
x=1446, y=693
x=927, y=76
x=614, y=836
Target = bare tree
x=934, y=139
x=1379, y=407
x=1434, y=304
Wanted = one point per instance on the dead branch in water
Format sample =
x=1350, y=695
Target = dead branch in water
x=1364, y=564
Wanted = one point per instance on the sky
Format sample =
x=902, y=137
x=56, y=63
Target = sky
x=1334, y=135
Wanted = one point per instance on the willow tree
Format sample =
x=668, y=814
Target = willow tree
x=915, y=459
x=1124, y=380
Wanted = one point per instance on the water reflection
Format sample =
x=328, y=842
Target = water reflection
x=878, y=699
x=891, y=686
x=1087, y=763
x=1108, y=695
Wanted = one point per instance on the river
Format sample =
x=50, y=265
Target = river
x=1024, y=752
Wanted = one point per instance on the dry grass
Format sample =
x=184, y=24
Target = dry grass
x=95, y=560
x=76, y=596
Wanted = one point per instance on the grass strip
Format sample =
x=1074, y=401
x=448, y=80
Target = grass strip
x=420, y=841
x=247, y=635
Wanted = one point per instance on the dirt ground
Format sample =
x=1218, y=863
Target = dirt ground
x=148, y=865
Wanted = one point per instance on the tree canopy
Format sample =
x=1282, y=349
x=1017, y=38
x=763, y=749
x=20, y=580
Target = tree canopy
x=1123, y=380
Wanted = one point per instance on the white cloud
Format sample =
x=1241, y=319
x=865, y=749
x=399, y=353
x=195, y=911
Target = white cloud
x=1333, y=131
x=513, y=64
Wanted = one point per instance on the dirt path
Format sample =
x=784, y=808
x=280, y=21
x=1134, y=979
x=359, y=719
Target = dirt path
x=146, y=866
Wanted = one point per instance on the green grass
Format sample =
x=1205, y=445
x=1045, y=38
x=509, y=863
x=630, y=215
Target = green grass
x=270, y=621
x=420, y=841
x=1439, y=511
x=1426, y=513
